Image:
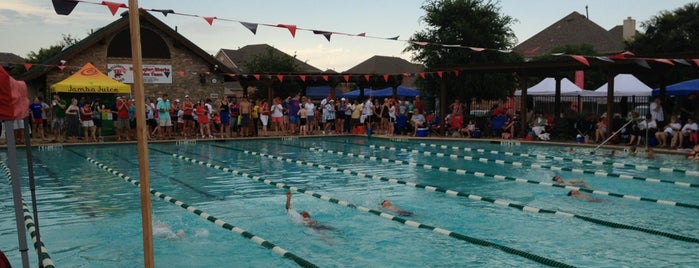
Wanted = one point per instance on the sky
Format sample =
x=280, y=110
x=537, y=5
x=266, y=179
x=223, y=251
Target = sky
x=29, y=25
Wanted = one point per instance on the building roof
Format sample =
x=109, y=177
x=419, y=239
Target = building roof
x=239, y=57
x=114, y=28
x=385, y=64
x=574, y=29
x=10, y=58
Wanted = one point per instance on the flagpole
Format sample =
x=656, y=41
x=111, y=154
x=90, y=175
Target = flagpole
x=137, y=60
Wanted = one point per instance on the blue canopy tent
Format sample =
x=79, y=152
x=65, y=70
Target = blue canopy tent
x=320, y=92
x=400, y=92
x=355, y=93
x=680, y=89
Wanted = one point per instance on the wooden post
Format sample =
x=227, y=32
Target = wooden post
x=141, y=132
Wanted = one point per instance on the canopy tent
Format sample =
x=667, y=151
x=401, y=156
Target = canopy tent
x=90, y=80
x=321, y=91
x=626, y=85
x=547, y=87
x=400, y=92
x=13, y=97
x=680, y=89
x=355, y=93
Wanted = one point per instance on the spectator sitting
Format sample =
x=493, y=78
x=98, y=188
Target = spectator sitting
x=418, y=121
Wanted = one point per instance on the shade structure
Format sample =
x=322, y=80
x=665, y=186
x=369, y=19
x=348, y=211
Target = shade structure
x=355, y=93
x=680, y=89
x=547, y=87
x=400, y=92
x=321, y=92
x=90, y=80
x=627, y=85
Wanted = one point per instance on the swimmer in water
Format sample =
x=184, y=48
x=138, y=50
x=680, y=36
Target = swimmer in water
x=388, y=206
x=576, y=183
x=304, y=217
x=576, y=194
x=163, y=230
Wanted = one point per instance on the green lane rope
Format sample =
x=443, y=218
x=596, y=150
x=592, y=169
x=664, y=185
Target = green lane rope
x=501, y=177
x=258, y=240
x=385, y=215
x=471, y=196
x=40, y=248
x=574, y=160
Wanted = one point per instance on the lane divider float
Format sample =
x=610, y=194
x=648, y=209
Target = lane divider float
x=502, y=177
x=40, y=248
x=415, y=224
x=471, y=196
x=258, y=240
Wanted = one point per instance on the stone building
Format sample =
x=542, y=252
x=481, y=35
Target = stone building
x=172, y=64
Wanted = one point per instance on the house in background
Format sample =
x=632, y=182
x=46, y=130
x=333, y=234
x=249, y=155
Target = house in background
x=576, y=29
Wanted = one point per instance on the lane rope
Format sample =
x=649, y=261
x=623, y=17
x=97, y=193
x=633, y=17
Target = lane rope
x=573, y=160
x=40, y=248
x=502, y=177
x=415, y=224
x=258, y=240
x=470, y=196
x=520, y=164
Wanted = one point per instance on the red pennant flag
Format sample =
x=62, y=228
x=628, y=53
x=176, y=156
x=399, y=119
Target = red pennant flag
x=440, y=74
x=27, y=66
x=230, y=75
x=303, y=78
x=257, y=76
x=479, y=49
x=580, y=79
x=280, y=77
x=385, y=77
x=420, y=43
x=346, y=78
x=666, y=61
x=367, y=77
x=61, y=67
x=581, y=59
x=325, y=77
x=291, y=28
x=696, y=61
x=422, y=74
x=113, y=7
x=622, y=55
x=180, y=73
x=210, y=20
x=456, y=73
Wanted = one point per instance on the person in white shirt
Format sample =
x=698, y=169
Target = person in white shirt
x=671, y=130
x=656, y=111
x=689, y=130
x=368, y=112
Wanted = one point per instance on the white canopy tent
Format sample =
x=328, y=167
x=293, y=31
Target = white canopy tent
x=547, y=87
x=626, y=85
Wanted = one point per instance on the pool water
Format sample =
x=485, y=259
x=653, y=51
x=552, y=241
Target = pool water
x=91, y=218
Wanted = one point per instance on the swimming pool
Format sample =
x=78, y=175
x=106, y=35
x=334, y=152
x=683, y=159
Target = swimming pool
x=464, y=195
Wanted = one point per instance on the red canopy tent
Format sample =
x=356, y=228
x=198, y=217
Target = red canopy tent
x=14, y=103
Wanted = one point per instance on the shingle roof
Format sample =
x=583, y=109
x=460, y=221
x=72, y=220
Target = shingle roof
x=385, y=64
x=245, y=54
x=574, y=29
x=10, y=58
x=114, y=28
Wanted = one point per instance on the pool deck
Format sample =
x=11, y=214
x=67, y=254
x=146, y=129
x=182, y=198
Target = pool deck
x=572, y=144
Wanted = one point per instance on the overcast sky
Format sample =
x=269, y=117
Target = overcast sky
x=28, y=25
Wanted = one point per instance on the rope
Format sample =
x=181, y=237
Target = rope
x=40, y=248
x=384, y=215
x=258, y=240
x=578, y=161
x=473, y=197
x=501, y=177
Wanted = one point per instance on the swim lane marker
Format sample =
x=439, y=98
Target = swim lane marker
x=40, y=248
x=574, y=160
x=471, y=196
x=539, y=166
x=501, y=177
x=258, y=240
x=475, y=241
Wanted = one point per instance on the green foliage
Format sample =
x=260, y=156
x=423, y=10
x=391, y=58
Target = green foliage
x=473, y=23
x=46, y=53
x=273, y=63
x=669, y=32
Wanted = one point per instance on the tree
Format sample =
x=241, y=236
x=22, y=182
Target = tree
x=668, y=32
x=473, y=23
x=272, y=63
x=44, y=54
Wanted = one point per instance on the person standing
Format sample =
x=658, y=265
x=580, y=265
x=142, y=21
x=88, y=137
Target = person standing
x=656, y=111
x=245, y=111
x=225, y=115
x=188, y=117
x=97, y=110
x=164, y=119
x=88, y=124
x=58, y=125
x=73, y=121
x=368, y=113
x=37, y=111
x=294, y=106
x=264, y=116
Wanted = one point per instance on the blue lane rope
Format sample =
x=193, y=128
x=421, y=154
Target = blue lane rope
x=471, y=196
x=472, y=240
x=40, y=248
x=258, y=240
x=501, y=177
x=573, y=160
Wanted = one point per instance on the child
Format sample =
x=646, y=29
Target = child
x=303, y=116
x=469, y=129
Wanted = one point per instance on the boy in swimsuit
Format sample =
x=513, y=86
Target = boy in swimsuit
x=304, y=217
x=576, y=183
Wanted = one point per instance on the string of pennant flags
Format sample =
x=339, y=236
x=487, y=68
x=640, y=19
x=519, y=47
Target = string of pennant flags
x=65, y=7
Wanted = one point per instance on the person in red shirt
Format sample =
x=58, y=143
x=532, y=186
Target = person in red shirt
x=123, y=125
x=419, y=104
